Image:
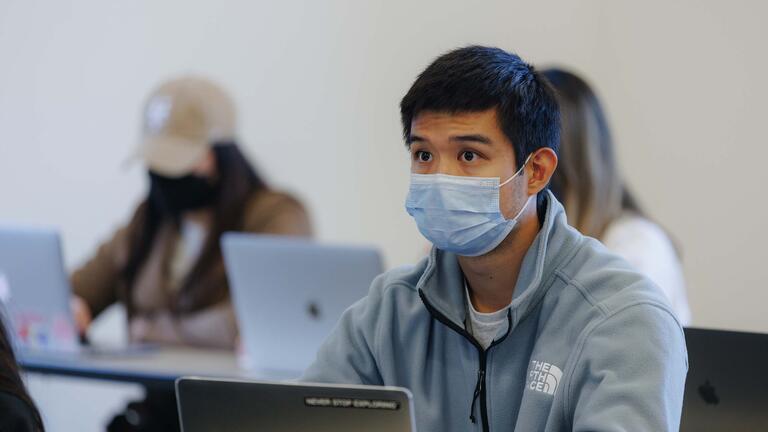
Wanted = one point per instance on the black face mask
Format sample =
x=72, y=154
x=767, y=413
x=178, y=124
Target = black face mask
x=180, y=194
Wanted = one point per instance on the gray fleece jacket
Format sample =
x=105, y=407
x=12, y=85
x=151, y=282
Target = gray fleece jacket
x=591, y=344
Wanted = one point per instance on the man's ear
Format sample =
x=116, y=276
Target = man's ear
x=540, y=169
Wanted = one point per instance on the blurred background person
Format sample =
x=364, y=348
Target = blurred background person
x=589, y=183
x=166, y=265
x=18, y=412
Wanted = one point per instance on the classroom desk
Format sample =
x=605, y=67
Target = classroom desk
x=155, y=366
x=156, y=369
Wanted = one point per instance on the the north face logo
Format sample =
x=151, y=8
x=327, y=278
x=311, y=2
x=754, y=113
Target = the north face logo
x=544, y=377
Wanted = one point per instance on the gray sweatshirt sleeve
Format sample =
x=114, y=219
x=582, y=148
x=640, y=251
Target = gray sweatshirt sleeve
x=348, y=355
x=631, y=373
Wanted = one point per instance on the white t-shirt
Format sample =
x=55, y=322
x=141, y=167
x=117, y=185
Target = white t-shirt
x=486, y=326
x=192, y=236
x=645, y=245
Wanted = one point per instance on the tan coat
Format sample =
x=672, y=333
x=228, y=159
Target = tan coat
x=200, y=313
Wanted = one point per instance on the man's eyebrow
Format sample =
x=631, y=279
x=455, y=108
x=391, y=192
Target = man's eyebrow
x=477, y=138
x=415, y=138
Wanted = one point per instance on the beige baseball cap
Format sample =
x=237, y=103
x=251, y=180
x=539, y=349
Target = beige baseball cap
x=183, y=118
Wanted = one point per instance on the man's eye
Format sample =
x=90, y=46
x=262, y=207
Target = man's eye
x=468, y=156
x=423, y=156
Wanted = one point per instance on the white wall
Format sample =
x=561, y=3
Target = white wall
x=318, y=85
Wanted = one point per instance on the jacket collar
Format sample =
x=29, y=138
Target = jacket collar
x=441, y=286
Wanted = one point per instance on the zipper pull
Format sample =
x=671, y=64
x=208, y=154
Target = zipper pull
x=478, y=390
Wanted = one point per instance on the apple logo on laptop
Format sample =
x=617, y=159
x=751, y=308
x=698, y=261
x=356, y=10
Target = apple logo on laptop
x=313, y=310
x=5, y=288
x=707, y=392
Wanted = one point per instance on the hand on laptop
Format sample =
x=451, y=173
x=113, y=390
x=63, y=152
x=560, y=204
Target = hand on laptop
x=81, y=313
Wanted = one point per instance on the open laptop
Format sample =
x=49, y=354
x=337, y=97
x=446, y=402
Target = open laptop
x=34, y=290
x=288, y=295
x=238, y=406
x=35, y=297
x=727, y=384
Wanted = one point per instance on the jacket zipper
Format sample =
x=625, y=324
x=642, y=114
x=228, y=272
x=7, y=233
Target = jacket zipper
x=480, y=386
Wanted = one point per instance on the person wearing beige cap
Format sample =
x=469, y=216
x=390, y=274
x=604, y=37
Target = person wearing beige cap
x=165, y=265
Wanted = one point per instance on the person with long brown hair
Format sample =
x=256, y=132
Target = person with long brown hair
x=166, y=265
x=598, y=203
x=18, y=412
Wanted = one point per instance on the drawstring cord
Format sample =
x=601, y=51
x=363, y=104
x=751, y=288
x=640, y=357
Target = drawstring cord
x=478, y=390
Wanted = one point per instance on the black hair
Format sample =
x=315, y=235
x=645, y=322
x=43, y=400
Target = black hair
x=478, y=78
x=10, y=379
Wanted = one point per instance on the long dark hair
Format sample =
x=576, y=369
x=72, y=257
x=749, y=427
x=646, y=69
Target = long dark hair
x=236, y=181
x=10, y=380
x=587, y=181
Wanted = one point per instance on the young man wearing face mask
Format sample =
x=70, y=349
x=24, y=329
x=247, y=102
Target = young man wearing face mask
x=166, y=264
x=514, y=321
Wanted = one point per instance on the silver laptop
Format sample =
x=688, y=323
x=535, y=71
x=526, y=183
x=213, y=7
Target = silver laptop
x=727, y=384
x=35, y=298
x=34, y=290
x=288, y=295
x=238, y=406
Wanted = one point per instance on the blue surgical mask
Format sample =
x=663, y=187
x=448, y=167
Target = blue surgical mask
x=461, y=214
